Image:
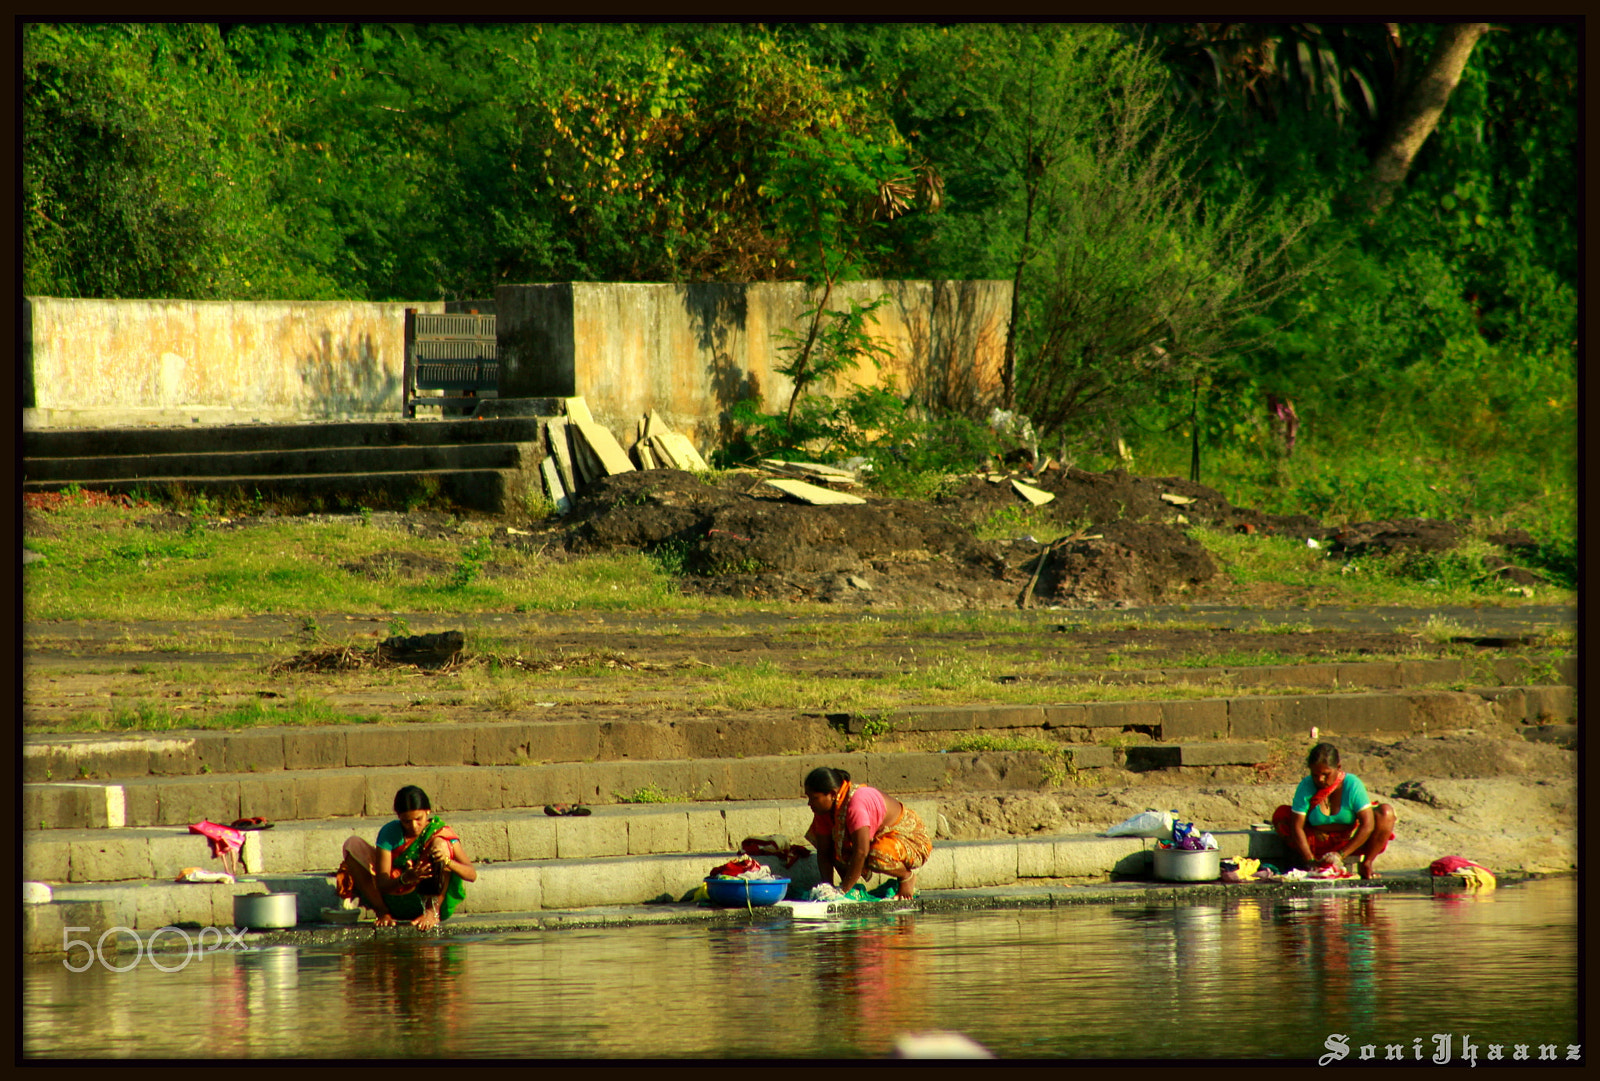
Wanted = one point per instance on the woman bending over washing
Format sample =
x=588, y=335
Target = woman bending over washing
x=418, y=871
x=858, y=829
x=1332, y=821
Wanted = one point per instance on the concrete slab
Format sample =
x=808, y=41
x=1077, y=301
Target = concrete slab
x=1194, y=719
x=658, y=832
x=811, y=493
x=1090, y=756
x=530, y=838
x=314, y=748
x=1551, y=704
x=252, y=752
x=587, y=838
x=1122, y=714
x=982, y=863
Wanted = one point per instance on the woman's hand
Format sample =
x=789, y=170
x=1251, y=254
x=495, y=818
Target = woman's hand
x=1334, y=859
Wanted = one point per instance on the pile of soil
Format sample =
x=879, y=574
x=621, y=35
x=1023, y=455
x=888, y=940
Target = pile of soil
x=1127, y=542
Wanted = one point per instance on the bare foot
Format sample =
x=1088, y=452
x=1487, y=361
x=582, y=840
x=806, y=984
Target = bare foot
x=907, y=887
x=385, y=920
x=427, y=921
x=1368, y=873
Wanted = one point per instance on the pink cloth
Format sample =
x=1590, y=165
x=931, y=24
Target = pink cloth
x=221, y=838
x=865, y=807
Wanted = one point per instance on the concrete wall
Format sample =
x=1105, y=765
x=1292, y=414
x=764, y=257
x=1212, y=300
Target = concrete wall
x=691, y=351
x=118, y=362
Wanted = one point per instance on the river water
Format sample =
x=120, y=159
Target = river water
x=1248, y=978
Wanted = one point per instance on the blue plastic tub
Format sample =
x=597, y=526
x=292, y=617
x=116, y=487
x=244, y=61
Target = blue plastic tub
x=746, y=891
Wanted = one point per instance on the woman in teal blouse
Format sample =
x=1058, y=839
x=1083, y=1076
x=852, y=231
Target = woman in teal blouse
x=1332, y=821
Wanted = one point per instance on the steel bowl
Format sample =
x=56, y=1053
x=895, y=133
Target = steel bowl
x=1188, y=865
x=265, y=911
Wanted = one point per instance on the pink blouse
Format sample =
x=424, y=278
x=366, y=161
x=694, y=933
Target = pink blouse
x=865, y=808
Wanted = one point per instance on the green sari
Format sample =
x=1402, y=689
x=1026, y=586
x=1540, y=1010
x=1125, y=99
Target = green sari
x=405, y=856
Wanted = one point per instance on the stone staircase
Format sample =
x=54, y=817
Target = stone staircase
x=105, y=818
x=487, y=464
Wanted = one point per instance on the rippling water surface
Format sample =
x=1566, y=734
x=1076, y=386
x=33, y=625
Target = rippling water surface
x=1249, y=978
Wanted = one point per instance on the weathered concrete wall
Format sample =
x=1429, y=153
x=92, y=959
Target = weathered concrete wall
x=118, y=362
x=691, y=351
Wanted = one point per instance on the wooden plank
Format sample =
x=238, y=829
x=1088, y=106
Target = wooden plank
x=641, y=452
x=556, y=434
x=663, y=453
x=682, y=451
x=553, y=486
x=1033, y=495
x=810, y=493
x=607, y=452
x=578, y=410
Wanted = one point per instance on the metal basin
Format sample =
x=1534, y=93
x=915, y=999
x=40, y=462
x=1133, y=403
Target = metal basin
x=262, y=911
x=1183, y=865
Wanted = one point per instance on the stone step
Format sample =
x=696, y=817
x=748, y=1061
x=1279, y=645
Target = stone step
x=493, y=491
x=44, y=443
x=342, y=793
x=251, y=464
x=73, y=759
x=565, y=884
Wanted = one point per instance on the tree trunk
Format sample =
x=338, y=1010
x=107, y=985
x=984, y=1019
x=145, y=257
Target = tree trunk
x=1418, y=113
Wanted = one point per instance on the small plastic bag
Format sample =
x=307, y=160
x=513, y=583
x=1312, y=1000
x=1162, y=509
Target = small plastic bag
x=1147, y=823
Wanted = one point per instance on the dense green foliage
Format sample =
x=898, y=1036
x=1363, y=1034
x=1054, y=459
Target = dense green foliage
x=1174, y=203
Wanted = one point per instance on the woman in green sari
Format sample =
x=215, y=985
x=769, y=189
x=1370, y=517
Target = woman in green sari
x=418, y=870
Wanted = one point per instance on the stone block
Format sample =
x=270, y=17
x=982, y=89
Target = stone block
x=1365, y=714
x=983, y=863
x=774, y=778
x=658, y=832
x=252, y=752
x=141, y=802
x=1153, y=756
x=1368, y=674
x=1090, y=756
x=794, y=819
x=621, y=782
x=337, y=794
x=1223, y=754
x=1093, y=857
x=639, y=740
x=1433, y=670
x=44, y=927
x=441, y=745
x=939, y=873
x=169, y=903
x=535, y=786
x=268, y=796
x=1562, y=735
x=708, y=831
x=531, y=838
x=63, y=806
x=501, y=744
x=120, y=910
x=757, y=821
x=1314, y=676
x=505, y=889
x=460, y=788
x=1065, y=715
x=713, y=779
x=177, y=758
x=165, y=854
x=284, y=850
x=561, y=741
x=595, y=835
x=1296, y=715
x=45, y=859
x=323, y=849
x=1567, y=670
x=315, y=748
x=1442, y=711
x=1253, y=717
x=1510, y=704
x=1036, y=859
x=1122, y=714
x=193, y=799
x=583, y=884
x=486, y=841
x=377, y=745
x=1551, y=704
x=1194, y=719
x=85, y=759
x=926, y=720
x=905, y=772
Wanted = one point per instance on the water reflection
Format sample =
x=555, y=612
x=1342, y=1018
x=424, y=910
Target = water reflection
x=1244, y=978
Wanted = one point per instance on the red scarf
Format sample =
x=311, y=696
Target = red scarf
x=1320, y=800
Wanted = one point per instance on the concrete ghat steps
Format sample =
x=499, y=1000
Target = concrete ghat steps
x=61, y=758
x=308, y=794
x=272, y=463
x=565, y=884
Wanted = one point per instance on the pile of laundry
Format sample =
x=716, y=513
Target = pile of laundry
x=827, y=891
x=742, y=866
x=1187, y=838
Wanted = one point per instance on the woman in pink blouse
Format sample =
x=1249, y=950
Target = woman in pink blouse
x=859, y=829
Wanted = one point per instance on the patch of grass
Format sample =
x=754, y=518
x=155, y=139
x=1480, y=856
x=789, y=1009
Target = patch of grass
x=1438, y=630
x=146, y=716
x=1056, y=766
x=650, y=793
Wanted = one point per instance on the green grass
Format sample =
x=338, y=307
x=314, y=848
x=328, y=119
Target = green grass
x=146, y=716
